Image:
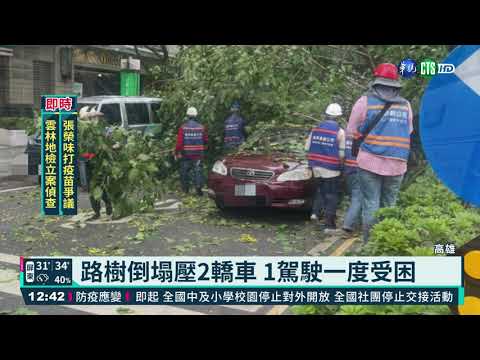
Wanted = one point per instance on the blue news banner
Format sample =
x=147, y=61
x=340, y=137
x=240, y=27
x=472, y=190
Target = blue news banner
x=241, y=280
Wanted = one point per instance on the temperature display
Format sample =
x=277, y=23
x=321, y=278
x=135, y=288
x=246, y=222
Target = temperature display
x=47, y=272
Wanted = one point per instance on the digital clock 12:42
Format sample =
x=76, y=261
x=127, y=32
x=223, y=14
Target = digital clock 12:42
x=41, y=296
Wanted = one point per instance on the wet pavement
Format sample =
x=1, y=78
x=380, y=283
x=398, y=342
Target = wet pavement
x=13, y=161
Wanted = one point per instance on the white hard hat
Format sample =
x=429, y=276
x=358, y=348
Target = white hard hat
x=334, y=110
x=192, y=111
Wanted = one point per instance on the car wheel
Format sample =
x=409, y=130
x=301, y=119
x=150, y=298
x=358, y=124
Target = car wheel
x=221, y=206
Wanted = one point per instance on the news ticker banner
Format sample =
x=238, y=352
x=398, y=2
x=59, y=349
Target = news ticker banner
x=242, y=280
x=59, y=154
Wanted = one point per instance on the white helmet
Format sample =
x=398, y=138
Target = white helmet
x=334, y=110
x=192, y=111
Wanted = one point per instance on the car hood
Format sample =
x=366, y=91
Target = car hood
x=274, y=162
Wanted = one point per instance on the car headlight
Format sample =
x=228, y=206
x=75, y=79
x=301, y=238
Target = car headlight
x=302, y=173
x=219, y=168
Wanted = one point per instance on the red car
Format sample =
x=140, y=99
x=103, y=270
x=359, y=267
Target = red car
x=280, y=179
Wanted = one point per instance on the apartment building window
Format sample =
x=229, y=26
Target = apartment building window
x=42, y=80
x=4, y=79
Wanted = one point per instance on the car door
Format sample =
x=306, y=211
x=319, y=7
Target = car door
x=138, y=115
x=154, y=126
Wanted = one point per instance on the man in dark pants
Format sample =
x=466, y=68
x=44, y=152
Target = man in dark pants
x=90, y=168
x=326, y=199
x=326, y=150
x=192, y=140
x=354, y=212
x=96, y=204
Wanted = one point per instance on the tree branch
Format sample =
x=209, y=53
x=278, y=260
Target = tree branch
x=348, y=50
x=350, y=80
x=370, y=58
x=344, y=55
x=136, y=50
x=164, y=57
x=303, y=115
x=365, y=54
x=165, y=52
x=336, y=60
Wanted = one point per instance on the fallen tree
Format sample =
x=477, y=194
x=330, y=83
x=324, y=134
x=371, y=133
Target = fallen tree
x=273, y=82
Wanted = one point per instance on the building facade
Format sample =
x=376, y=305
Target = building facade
x=29, y=71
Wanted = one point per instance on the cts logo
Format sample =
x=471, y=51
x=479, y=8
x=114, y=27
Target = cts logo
x=429, y=68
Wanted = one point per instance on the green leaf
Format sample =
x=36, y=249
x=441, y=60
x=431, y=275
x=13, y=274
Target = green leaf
x=133, y=175
x=97, y=193
x=56, y=253
x=95, y=251
x=143, y=157
x=124, y=311
x=281, y=237
x=247, y=238
x=29, y=239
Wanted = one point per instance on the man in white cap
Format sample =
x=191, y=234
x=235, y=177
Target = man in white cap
x=192, y=142
x=326, y=151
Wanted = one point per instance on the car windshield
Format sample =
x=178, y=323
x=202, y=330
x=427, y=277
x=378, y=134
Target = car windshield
x=288, y=140
x=292, y=141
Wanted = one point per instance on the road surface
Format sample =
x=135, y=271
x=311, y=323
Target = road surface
x=187, y=226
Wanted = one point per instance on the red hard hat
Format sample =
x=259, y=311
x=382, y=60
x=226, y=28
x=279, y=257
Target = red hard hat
x=388, y=71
